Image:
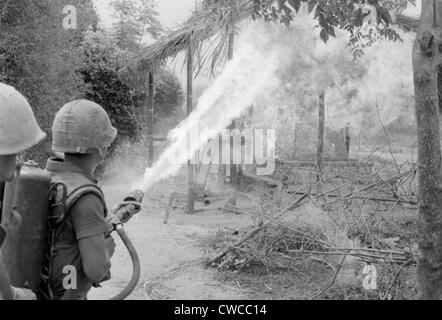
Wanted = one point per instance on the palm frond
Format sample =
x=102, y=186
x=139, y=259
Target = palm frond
x=211, y=26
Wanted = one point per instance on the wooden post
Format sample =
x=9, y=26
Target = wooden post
x=223, y=168
x=190, y=167
x=233, y=167
x=150, y=118
x=320, y=149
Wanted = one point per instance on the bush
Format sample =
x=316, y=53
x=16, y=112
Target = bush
x=104, y=86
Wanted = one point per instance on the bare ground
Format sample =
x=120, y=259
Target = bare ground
x=173, y=256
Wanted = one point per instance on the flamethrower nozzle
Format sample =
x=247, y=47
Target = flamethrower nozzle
x=126, y=210
x=136, y=196
x=121, y=216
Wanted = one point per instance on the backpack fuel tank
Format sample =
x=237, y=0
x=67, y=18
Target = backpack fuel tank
x=24, y=247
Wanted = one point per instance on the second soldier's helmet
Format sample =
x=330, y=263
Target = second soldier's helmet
x=18, y=127
x=82, y=126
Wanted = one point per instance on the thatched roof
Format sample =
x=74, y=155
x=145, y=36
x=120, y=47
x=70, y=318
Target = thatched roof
x=407, y=23
x=202, y=26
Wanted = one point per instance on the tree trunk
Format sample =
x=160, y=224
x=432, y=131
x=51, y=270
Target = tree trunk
x=425, y=68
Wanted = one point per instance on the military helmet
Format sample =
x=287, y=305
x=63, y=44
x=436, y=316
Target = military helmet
x=82, y=126
x=18, y=127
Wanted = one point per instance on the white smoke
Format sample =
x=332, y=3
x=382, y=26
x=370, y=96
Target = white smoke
x=383, y=77
x=244, y=78
x=280, y=71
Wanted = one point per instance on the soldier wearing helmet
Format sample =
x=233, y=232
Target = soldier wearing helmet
x=19, y=131
x=82, y=131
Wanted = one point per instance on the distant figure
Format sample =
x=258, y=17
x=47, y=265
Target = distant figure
x=342, y=143
x=347, y=140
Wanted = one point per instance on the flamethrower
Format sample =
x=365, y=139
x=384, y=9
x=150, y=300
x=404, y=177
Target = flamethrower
x=124, y=212
x=26, y=247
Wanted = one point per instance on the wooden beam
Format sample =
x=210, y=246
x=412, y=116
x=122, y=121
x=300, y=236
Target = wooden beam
x=158, y=138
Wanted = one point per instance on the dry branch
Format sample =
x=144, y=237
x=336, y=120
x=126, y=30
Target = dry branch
x=256, y=230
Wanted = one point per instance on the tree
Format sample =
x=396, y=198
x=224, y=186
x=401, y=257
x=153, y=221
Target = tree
x=134, y=20
x=343, y=14
x=99, y=70
x=118, y=93
x=426, y=61
x=168, y=92
x=39, y=57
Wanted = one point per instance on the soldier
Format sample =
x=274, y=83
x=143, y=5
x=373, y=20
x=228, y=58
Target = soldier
x=347, y=140
x=19, y=131
x=82, y=131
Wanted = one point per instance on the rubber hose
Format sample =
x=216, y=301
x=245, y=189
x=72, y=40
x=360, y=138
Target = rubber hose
x=135, y=264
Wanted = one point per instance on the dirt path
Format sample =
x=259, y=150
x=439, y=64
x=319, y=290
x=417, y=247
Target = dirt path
x=172, y=256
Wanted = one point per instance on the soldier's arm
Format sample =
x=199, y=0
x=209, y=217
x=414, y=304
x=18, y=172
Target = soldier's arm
x=5, y=286
x=90, y=228
x=95, y=256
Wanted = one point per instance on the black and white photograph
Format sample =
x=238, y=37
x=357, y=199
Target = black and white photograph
x=215, y=157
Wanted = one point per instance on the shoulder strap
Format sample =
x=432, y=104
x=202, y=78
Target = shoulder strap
x=62, y=199
x=76, y=194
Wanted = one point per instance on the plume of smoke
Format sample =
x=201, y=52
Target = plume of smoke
x=280, y=71
x=383, y=77
x=243, y=79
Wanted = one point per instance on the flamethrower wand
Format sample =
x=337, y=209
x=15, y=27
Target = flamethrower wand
x=123, y=214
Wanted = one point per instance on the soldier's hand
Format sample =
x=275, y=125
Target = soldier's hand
x=110, y=245
x=23, y=294
x=124, y=211
x=136, y=206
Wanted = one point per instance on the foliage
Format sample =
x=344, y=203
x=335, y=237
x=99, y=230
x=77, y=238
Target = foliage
x=347, y=15
x=100, y=74
x=39, y=57
x=169, y=92
x=134, y=20
x=116, y=93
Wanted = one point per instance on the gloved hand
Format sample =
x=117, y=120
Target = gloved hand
x=124, y=211
x=106, y=278
x=23, y=294
x=110, y=245
x=2, y=235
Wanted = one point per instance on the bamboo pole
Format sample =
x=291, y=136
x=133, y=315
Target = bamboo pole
x=150, y=118
x=190, y=167
x=223, y=168
x=320, y=146
x=233, y=168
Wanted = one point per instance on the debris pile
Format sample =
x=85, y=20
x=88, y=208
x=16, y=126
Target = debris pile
x=363, y=219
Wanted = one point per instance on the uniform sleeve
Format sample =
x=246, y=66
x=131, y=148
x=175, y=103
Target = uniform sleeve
x=88, y=217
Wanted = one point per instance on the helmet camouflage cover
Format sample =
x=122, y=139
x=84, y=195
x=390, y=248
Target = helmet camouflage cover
x=18, y=127
x=82, y=126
